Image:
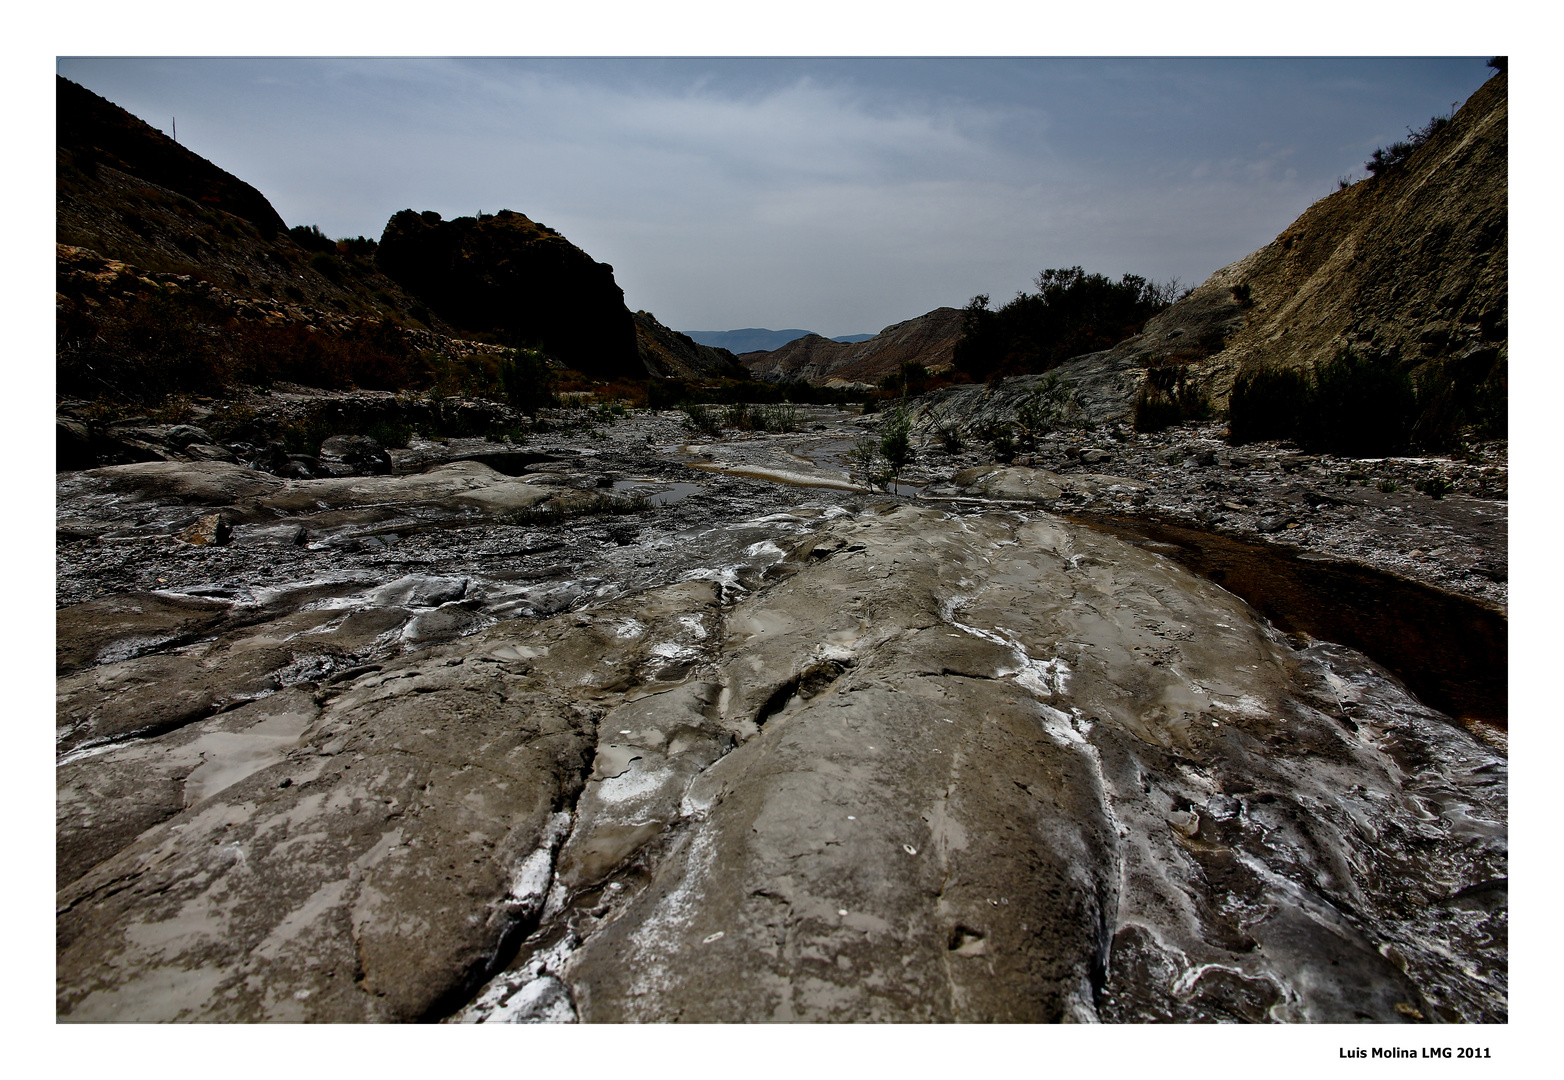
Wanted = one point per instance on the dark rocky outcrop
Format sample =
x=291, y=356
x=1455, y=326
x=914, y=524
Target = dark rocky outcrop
x=669, y=354
x=127, y=193
x=93, y=133
x=928, y=340
x=509, y=276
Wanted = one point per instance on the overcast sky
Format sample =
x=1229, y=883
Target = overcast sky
x=834, y=195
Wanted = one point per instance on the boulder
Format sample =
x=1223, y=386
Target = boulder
x=353, y=455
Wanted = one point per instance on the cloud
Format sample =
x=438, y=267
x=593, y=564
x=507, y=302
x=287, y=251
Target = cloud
x=839, y=195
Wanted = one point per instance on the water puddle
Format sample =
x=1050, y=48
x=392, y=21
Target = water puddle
x=1451, y=652
x=658, y=492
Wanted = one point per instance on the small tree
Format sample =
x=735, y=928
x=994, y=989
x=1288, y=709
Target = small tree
x=528, y=380
x=866, y=456
x=896, y=442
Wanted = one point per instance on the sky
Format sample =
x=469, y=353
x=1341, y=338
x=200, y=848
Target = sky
x=839, y=195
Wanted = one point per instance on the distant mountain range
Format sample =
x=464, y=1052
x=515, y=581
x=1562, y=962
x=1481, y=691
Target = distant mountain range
x=755, y=339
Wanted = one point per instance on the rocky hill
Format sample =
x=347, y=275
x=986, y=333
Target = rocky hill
x=1410, y=266
x=507, y=275
x=130, y=194
x=929, y=340
x=138, y=215
x=667, y=353
x=94, y=133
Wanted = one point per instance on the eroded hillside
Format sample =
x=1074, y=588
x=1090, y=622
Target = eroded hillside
x=928, y=340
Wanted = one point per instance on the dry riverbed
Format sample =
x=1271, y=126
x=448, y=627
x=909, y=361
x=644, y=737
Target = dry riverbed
x=631, y=726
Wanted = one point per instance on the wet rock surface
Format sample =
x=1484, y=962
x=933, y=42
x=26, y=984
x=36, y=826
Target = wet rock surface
x=1441, y=521
x=577, y=731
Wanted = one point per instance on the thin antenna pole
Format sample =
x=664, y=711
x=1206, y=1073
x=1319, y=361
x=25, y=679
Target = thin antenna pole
x=175, y=119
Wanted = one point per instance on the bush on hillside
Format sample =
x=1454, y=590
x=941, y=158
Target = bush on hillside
x=1358, y=407
x=1071, y=313
x=1169, y=397
x=527, y=380
x=310, y=238
x=896, y=442
x=1385, y=158
x=1266, y=403
x=1350, y=405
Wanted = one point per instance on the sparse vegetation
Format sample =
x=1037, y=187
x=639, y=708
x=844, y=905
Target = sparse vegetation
x=1001, y=439
x=1071, y=313
x=1353, y=405
x=1358, y=406
x=711, y=420
x=896, y=442
x=909, y=380
x=1050, y=406
x=704, y=419
x=1266, y=403
x=1169, y=397
x=560, y=509
x=310, y=238
x=1386, y=158
x=951, y=438
x=528, y=380
x=866, y=461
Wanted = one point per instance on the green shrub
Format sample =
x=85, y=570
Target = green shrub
x=666, y=393
x=1155, y=411
x=310, y=238
x=1352, y=405
x=865, y=458
x=1386, y=158
x=909, y=380
x=1266, y=403
x=327, y=267
x=1001, y=440
x=1167, y=398
x=1467, y=394
x=1071, y=313
x=705, y=419
x=1358, y=407
x=527, y=380
x=360, y=247
x=1052, y=405
x=950, y=437
x=896, y=442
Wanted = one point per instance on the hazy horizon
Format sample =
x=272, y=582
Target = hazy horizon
x=838, y=195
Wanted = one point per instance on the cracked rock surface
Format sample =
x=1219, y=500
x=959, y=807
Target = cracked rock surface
x=759, y=752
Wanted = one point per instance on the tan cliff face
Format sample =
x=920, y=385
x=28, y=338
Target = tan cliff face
x=1411, y=265
x=929, y=340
